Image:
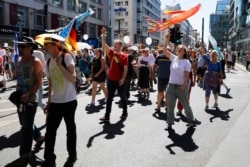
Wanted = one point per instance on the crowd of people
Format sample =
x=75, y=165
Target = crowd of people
x=115, y=69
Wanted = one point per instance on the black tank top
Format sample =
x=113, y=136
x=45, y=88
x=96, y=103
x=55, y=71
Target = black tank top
x=97, y=65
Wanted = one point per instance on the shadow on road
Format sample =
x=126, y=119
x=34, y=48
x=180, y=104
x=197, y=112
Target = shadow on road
x=160, y=116
x=94, y=108
x=10, y=142
x=184, y=141
x=217, y=113
x=227, y=96
x=34, y=161
x=110, y=130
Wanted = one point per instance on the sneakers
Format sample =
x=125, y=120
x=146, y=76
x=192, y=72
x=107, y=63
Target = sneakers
x=157, y=110
x=179, y=113
x=206, y=108
x=39, y=142
x=104, y=119
x=70, y=162
x=228, y=90
x=215, y=105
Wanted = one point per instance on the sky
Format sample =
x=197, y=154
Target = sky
x=207, y=8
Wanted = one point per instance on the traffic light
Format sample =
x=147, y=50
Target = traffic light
x=178, y=36
x=45, y=9
x=172, y=35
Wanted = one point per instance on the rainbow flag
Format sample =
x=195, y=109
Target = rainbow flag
x=69, y=32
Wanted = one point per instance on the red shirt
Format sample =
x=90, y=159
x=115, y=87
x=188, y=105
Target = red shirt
x=115, y=72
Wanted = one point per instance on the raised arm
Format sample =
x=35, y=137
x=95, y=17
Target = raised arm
x=106, y=48
x=165, y=51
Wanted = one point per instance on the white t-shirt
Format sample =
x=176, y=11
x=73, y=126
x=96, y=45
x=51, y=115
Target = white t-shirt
x=146, y=61
x=177, y=69
x=229, y=57
x=62, y=89
x=39, y=55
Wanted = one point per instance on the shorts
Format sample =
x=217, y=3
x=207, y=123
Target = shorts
x=229, y=63
x=100, y=79
x=162, y=84
x=201, y=71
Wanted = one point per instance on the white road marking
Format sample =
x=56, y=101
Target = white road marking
x=8, y=109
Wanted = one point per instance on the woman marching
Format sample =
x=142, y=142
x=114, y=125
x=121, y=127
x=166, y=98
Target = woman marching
x=98, y=74
x=213, y=78
x=178, y=83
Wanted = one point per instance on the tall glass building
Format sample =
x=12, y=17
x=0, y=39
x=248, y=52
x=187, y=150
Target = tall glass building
x=242, y=24
x=219, y=24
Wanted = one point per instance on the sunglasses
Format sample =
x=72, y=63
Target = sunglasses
x=22, y=46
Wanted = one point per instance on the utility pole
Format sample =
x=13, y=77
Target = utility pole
x=202, y=32
x=45, y=13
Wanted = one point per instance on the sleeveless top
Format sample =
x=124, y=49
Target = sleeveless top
x=26, y=78
x=97, y=65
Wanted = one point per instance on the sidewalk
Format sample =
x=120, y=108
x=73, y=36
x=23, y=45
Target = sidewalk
x=234, y=151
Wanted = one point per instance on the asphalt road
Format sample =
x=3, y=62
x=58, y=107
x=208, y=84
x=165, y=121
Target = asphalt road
x=141, y=140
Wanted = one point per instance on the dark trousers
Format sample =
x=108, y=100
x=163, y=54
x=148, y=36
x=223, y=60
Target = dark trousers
x=57, y=112
x=248, y=62
x=26, y=119
x=127, y=83
x=112, y=87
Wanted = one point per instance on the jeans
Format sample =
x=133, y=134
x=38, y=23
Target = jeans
x=173, y=93
x=26, y=119
x=112, y=86
x=57, y=112
x=40, y=96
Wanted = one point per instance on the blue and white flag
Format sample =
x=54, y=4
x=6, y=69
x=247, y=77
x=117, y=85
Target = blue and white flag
x=214, y=44
x=15, y=53
x=81, y=17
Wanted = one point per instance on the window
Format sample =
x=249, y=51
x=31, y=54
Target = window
x=57, y=3
x=99, y=13
x=71, y=5
x=93, y=15
x=22, y=20
x=99, y=1
x=126, y=3
x=82, y=7
x=126, y=13
x=1, y=14
x=92, y=30
x=40, y=21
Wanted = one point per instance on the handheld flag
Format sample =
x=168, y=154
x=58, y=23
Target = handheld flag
x=214, y=44
x=69, y=32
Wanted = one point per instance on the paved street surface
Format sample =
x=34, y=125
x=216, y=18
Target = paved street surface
x=221, y=139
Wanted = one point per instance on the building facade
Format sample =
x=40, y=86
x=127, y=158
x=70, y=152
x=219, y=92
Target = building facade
x=220, y=24
x=33, y=17
x=241, y=34
x=129, y=19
